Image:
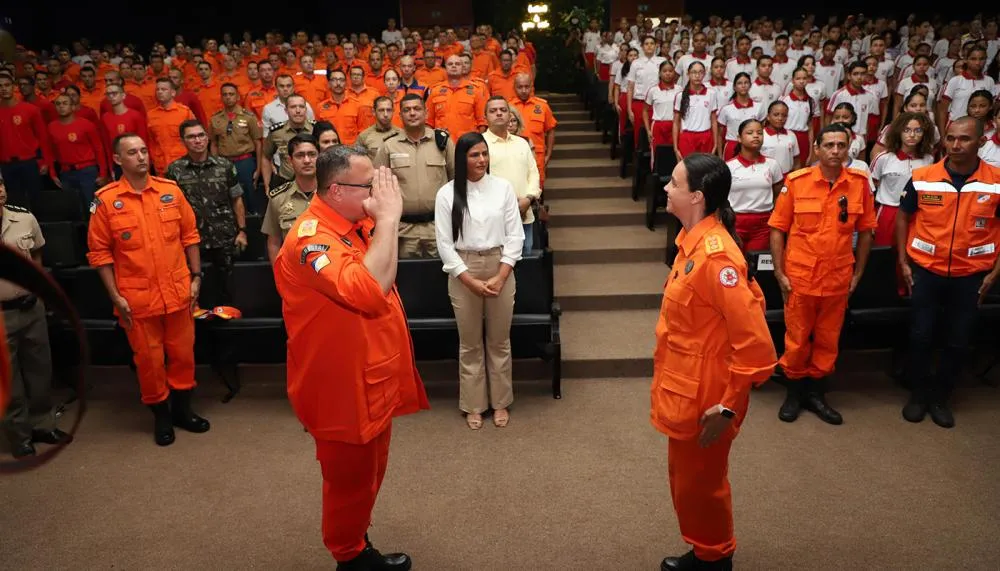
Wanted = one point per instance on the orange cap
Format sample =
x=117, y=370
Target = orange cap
x=227, y=312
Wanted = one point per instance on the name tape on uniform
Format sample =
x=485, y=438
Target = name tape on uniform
x=982, y=250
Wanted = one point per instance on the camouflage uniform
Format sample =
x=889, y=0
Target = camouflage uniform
x=210, y=187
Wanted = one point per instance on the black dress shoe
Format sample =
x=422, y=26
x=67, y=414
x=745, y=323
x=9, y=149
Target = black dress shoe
x=816, y=403
x=915, y=409
x=163, y=428
x=54, y=436
x=23, y=449
x=941, y=415
x=371, y=560
x=183, y=416
x=686, y=562
x=790, y=409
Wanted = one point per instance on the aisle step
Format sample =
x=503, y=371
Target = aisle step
x=611, y=344
x=590, y=212
x=593, y=150
x=567, y=114
x=575, y=187
x=607, y=245
x=610, y=287
x=582, y=124
x=576, y=135
x=581, y=167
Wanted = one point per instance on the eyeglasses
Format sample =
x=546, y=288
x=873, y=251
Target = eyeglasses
x=305, y=155
x=915, y=131
x=367, y=187
x=842, y=203
x=196, y=136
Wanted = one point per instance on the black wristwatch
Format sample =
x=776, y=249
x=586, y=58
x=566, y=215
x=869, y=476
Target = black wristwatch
x=728, y=413
x=241, y=229
x=197, y=274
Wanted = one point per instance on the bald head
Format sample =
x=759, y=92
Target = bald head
x=407, y=66
x=522, y=86
x=453, y=66
x=962, y=124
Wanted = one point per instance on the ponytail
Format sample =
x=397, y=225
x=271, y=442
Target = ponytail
x=686, y=96
x=727, y=216
x=711, y=175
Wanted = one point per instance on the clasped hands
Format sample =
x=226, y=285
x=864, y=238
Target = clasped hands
x=483, y=288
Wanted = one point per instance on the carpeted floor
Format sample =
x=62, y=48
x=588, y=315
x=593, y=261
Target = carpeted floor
x=574, y=484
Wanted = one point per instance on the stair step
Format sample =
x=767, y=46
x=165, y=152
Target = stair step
x=560, y=106
x=581, y=167
x=573, y=115
x=574, y=136
x=607, y=245
x=562, y=187
x=590, y=212
x=598, y=344
x=583, y=124
x=611, y=287
x=593, y=150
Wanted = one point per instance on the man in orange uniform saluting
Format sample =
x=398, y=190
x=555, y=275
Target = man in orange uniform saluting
x=812, y=228
x=144, y=243
x=350, y=357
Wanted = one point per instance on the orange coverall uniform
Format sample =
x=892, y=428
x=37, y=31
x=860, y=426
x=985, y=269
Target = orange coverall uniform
x=346, y=116
x=458, y=109
x=712, y=344
x=345, y=392
x=538, y=121
x=164, y=127
x=820, y=221
x=143, y=234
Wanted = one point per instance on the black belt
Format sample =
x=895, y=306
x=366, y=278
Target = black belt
x=14, y=160
x=417, y=218
x=23, y=303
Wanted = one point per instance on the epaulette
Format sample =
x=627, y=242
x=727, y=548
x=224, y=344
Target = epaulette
x=16, y=208
x=797, y=174
x=277, y=126
x=390, y=135
x=857, y=172
x=108, y=186
x=166, y=180
x=278, y=190
x=714, y=244
x=441, y=138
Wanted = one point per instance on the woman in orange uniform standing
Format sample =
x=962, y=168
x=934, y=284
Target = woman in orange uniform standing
x=712, y=344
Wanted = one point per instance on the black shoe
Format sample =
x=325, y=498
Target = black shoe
x=23, y=449
x=790, y=409
x=183, y=416
x=915, y=409
x=686, y=562
x=815, y=402
x=371, y=560
x=163, y=428
x=941, y=415
x=54, y=436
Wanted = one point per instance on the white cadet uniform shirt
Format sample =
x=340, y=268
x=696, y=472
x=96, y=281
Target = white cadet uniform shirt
x=857, y=147
x=815, y=89
x=909, y=82
x=662, y=101
x=795, y=53
x=781, y=73
x=686, y=61
x=799, y=116
x=766, y=46
x=764, y=93
x=732, y=115
x=752, y=189
x=863, y=101
x=893, y=171
x=886, y=69
x=698, y=118
x=734, y=66
x=831, y=76
x=879, y=91
x=644, y=73
x=591, y=40
x=960, y=88
x=723, y=92
x=607, y=54
x=392, y=37
x=990, y=152
x=782, y=146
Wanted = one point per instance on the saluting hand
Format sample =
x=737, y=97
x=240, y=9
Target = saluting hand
x=386, y=202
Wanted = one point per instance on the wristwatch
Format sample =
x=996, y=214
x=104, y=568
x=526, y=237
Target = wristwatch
x=197, y=274
x=728, y=413
x=241, y=229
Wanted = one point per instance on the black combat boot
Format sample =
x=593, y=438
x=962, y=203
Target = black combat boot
x=790, y=409
x=815, y=401
x=371, y=560
x=163, y=428
x=183, y=416
x=688, y=562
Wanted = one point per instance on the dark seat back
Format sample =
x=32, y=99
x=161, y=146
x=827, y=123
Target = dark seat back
x=256, y=241
x=85, y=289
x=57, y=206
x=763, y=267
x=664, y=161
x=254, y=293
x=423, y=288
x=534, y=284
x=878, y=286
x=62, y=244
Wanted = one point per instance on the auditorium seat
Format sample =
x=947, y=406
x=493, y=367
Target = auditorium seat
x=256, y=241
x=664, y=161
x=642, y=168
x=63, y=248
x=57, y=206
x=106, y=340
x=259, y=336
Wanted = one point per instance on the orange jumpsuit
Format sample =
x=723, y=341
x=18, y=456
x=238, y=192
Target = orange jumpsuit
x=820, y=222
x=538, y=121
x=142, y=234
x=457, y=109
x=366, y=101
x=314, y=88
x=348, y=408
x=164, y=127
x=345, y=116
x=712, y=344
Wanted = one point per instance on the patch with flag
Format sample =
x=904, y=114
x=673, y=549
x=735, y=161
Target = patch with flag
x=320, y=262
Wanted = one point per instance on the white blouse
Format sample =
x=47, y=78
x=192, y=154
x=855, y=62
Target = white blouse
x=492, y=221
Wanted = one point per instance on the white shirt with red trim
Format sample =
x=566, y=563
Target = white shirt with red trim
x=766, y=46
x=905, y=60
x=645, y=73
x=723, y=92
x=732, y=115
x=686, y=61
x=960, y=88
x=815, y=88
x=944, y=70
x=857, y=147
x=607, y=54
x=752, y=190
x=863, y=101
x=891, y=172
x=616, y=74
x=736, y=65
x=799, y=115
x=764, y=93
x=782, y=146
x=661, y=98
x=886, y=69
x=990, y=152
x=909, y=82
x=795, y=53
x=781, y=73
x=885, y=131
x=831, y=75
x=590, y=41
x=699, y=112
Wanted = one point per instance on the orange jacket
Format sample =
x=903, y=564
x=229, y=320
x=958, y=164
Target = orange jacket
x=327, y=291
x=538, y=120
x=954, y=232
x=210, y=96
x=819, y=253
x=143, y=233
x=345, y=116
x=484, y=63
x=145, y=91
x=366, y=101
x=712, y=341
x=163, y=125
x=502, y=85
x=258, y=97
x=459, y=109
x=314, y=89
x=92, y=98
x=430, y=77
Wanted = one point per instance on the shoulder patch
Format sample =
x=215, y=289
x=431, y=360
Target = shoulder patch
x=309, y=249
x=729, y=277
x=391, y=135
x=441, y=138
x=278, y=190
x=713, y=244
x=15, y=208
x=93, y=204
x=307, y=228
x=277, y=126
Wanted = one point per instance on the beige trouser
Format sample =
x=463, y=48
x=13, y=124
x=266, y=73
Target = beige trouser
x=484, y=380
x=417, y=240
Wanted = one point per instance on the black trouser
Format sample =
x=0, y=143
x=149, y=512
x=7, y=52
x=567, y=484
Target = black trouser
x=22, y=181
x=222, y=263
x=959, y=298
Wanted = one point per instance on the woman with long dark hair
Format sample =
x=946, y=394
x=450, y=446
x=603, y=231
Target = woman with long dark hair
x=479, y=239
x=709, y=351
